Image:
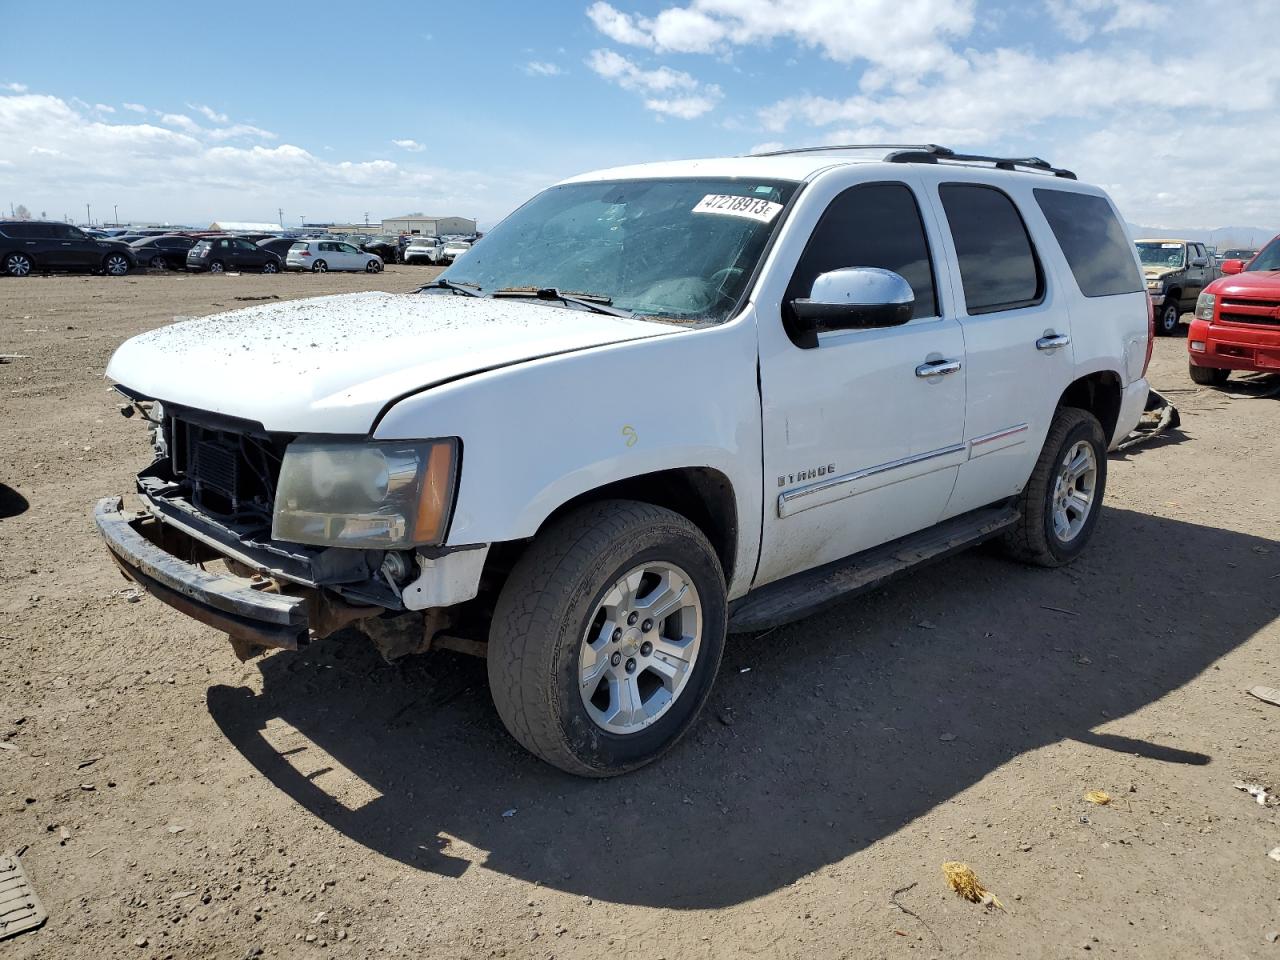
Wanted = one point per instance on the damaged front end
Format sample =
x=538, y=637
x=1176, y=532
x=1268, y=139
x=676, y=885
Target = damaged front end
x=201, y=541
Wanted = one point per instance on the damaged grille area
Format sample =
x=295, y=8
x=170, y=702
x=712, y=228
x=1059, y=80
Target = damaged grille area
x=228, y=473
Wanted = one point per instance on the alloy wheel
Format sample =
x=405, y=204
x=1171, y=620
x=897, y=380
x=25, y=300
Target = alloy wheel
x=1073, y=490
x=639, y=648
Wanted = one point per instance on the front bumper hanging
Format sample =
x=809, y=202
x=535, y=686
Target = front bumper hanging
x=247, y=610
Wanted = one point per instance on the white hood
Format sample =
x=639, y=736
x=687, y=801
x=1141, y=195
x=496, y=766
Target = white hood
x=330, y=365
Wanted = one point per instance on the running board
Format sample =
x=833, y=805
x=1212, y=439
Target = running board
x=804, y=594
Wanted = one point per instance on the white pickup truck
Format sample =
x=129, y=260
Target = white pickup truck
x=657, y=405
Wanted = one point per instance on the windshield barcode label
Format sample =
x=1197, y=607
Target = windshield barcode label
x=729, y=205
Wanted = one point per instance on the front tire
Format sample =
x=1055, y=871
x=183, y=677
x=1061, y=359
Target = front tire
x=270, y=267
x=607, y=636
x=158, y=263
x=1062, y=499
x=1208, y=376
x=1170, y=315
x=373, y=266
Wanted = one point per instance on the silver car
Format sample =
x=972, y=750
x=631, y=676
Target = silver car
x=320, y=256
x=452, y=250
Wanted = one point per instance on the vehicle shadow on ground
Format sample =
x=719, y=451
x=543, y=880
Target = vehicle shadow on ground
x=12, y=503
x=820, y=737
x=1261, y=386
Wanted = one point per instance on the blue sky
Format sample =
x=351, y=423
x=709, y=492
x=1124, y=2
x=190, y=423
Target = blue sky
x=334, y=110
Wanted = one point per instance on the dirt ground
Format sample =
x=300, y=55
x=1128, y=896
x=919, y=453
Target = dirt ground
x=173, y=802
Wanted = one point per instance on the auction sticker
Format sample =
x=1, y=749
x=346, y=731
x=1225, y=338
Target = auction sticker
x=729, y=205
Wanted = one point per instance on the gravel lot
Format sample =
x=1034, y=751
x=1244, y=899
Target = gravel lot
x=176, y=803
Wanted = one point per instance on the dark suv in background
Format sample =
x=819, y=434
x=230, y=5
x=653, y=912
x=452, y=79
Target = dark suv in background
x=41, y=246
x=220, y=254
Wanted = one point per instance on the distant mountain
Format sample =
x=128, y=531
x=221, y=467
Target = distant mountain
x=1220, y=237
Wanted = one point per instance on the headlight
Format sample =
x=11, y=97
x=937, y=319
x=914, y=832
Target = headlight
x=1204, y=306
x=1155, y=281
x=376, y=495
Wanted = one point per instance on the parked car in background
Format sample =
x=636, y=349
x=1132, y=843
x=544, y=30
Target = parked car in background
x=319, y=256
x=1237, y=321
x=1237, y=253
x=163, y=253
x=386, y=246
x=422, y=250
x=452, y=250
x=220, y=254
x=41, y=246
x=872, y=371
x=1175, y=271
x=279, y=246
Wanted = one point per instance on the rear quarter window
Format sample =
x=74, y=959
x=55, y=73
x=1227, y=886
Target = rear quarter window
x=1092, y=240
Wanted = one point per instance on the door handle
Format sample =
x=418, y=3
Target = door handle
x=1053, y=341
x=937, y=368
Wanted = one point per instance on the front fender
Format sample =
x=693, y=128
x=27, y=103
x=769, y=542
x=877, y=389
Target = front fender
x=537, y=434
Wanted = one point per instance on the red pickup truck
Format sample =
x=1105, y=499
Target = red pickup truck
x=1237, y=320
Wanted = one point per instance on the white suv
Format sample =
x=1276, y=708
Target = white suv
x=657, y=405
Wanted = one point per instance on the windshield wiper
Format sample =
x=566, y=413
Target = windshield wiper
x=469, y=289
x=595, y=302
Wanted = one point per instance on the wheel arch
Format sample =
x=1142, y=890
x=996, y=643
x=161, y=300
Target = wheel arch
x=1099, y=393
x=702, y=495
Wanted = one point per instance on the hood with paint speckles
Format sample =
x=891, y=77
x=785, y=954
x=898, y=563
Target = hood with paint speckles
x=331, y=364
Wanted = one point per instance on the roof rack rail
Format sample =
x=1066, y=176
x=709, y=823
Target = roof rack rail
x=923, y=148
x=909, y=155
x=928, y=153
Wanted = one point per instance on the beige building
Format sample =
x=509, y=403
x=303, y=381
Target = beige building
x=420, y=223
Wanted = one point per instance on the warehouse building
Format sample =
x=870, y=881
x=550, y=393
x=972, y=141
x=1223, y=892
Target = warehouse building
x=245, y=226
x=420, y=223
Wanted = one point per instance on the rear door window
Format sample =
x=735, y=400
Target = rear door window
x=1092, y=240
x=999, y=269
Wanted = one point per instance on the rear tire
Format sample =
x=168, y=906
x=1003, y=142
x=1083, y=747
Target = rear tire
x=158, y=263
x=319, y=267
x=1060, y=510
x=18, y=265
x=1208, y=376
x=553, y=625
x=217, y=267
x=1169, y=318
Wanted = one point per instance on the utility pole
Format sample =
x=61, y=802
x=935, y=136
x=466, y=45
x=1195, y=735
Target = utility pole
x=280, y=216
x=366, y=218
x=115, y=213
x=87, y=215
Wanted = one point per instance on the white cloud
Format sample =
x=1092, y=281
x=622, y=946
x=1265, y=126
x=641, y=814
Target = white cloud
x=210, y=114
x=1186, y=141
x=55, y=156
x=542, y=68
x=1079, y=20
x=103, y=108
x=14, y=87
x=665, y=91
x=413, y=146
x=767, y=147
x=906, y=37
x=181, y=121
x=135, y=107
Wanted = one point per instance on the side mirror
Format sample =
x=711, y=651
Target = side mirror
x=1199, y=262
x=853, y=298
x=1232, y=266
